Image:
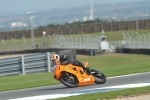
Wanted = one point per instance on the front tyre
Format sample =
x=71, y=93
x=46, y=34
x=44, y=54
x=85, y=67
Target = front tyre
x=99, y=77
x=68, y=80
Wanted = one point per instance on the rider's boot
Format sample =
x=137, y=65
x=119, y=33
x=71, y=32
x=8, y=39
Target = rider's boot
x=86, y=69
x=89, y=71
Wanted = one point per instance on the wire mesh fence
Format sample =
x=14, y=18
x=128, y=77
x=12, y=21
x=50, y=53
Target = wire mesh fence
x=136, y=40
x=82, y=41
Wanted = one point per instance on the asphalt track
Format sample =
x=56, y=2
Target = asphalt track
x=47, y=90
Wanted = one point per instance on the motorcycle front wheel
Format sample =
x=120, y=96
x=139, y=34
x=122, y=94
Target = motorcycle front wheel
x=68, y=80
x=99, y=77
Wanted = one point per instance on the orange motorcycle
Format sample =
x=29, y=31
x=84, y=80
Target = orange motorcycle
x=73, y=76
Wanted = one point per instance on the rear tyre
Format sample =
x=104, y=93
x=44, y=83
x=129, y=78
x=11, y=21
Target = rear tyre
x=99, y=77
x=68, y=80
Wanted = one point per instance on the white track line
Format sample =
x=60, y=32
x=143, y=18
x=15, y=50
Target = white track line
x=129, y=75
x=45, y=97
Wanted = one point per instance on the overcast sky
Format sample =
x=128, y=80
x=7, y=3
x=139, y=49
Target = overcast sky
x=17, y=6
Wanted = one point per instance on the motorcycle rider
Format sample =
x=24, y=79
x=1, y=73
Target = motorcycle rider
x=64, y=60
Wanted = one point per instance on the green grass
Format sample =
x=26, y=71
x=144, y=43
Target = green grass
x=109, y=64
x=26, y=81
x=118, y=64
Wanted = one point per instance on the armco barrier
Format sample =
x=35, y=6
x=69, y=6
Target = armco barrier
x=26, y=64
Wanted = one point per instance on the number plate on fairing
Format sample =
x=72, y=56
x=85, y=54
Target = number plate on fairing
x=87, y=79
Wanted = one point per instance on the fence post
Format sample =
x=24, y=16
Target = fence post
x=24, y=41
x=110, y=28
x=48, y=62
x=76, y=29
x=118, y=26
x=129, y=40
x=23, y=66
x=145, y=23
x=127, y=25
x=3, y=45
x=102, y=27
x=13, y=44
x=136, y=24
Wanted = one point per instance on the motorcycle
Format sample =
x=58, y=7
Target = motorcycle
x=73, y=76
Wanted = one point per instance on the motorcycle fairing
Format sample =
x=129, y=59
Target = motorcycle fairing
x=83, y=78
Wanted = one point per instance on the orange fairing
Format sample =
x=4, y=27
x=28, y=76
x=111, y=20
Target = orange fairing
x=82, y=77
x=63, y=68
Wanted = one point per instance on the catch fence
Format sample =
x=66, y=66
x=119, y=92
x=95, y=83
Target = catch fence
x=82, y=41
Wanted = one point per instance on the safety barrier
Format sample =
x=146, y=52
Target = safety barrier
x=26, y=64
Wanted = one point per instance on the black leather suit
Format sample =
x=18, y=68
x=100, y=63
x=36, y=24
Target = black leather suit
x=64, y=59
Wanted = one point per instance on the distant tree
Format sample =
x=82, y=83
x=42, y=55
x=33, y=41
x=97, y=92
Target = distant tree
x=51, y=25
x=105, y=21
x=40, y=27
x=97, y=20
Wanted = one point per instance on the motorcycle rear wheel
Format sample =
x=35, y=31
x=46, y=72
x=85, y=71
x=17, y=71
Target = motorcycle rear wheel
x=68, y=80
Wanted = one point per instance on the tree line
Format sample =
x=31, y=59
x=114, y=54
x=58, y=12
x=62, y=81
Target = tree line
x=97, y=20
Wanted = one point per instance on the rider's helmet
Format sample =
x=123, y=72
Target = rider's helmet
x=55, y=58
